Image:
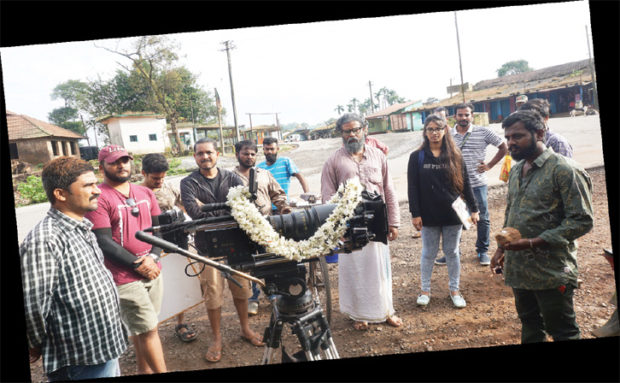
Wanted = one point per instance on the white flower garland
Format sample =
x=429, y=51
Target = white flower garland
x=324, y=239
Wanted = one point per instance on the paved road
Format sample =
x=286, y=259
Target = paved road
x=584, y=133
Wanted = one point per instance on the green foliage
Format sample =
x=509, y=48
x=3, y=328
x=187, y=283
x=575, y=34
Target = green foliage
x=32, y=189
x=513, y=67
x=576, y=73
x=174, y=169
x=64, y=117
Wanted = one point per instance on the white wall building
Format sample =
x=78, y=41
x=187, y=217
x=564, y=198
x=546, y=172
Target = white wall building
x=138, y=132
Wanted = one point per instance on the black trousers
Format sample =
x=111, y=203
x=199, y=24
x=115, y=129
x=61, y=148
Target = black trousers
x=546, y=312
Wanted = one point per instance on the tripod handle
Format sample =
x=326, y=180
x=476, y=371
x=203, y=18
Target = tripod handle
x=170, y=247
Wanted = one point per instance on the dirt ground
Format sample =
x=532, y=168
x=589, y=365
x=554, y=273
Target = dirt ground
x=488, y=320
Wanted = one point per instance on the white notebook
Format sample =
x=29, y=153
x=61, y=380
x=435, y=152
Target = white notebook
x=460, y=208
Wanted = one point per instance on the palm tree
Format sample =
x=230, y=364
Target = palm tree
x=339, y=109
x=354, y=101
x=379, y=96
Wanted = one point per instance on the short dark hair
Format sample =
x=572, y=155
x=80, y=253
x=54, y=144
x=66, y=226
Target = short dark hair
x=539, y=105
x=440, y=109
x=465, y=105
x=154, y=163
x=531, y=119
x=243, y=144
x=61, y=172
x=348, y=117
x=205, y=141
x=270, y=140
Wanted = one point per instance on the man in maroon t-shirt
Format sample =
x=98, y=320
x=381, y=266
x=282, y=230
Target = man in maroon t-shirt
x=123, y=209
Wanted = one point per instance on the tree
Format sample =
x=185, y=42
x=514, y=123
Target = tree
x=65, y=118
x=380, y=95
x=365, y=106
x=75, y=96
x=339, y=109
x=354, y=102
x=173, y=89
x=513, y=67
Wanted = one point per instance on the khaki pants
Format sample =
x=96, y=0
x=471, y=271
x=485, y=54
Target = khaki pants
x=212, y=283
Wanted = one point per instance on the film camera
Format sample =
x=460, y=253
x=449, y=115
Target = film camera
x=283, y=278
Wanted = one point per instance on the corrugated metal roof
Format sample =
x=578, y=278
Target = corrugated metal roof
x=390, y=109
x=22, y=127
x=557, y=77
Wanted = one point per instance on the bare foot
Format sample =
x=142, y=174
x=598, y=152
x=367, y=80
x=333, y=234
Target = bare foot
x=394, y=321
x=360, y=325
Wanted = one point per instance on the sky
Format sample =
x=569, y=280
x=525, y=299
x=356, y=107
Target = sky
x=303, y=71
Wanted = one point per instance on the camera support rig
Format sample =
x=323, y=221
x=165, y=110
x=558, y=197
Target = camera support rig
x=284, y=278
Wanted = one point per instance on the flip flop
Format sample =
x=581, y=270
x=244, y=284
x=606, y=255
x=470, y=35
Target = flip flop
x=394, y=321
x=212, y=356
x=187, y=336
x=360, y=326
x=254, y=340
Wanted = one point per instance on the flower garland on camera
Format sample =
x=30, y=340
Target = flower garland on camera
x=322, y=241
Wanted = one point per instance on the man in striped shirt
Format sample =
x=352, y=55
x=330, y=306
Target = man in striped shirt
x=473, y=141
x=70, y=299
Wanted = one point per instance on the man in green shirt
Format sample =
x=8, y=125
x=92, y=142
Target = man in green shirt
x=550, y=203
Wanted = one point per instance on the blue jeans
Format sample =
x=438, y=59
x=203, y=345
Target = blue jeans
x=451, y=235
x=484, y=226
x=255, y=293
x=107, y=369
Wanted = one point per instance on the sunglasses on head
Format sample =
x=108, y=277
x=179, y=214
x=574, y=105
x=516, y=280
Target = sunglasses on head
x=135, y=210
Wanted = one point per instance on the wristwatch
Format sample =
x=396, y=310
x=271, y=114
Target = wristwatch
x=154, y=256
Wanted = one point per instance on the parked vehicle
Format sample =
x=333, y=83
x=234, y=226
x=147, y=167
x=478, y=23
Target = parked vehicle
x=89, y=152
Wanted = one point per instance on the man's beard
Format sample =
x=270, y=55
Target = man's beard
x=463, y=123
x=115, y=178
x=527, y=152
x=247, y=164
x=354, y=146
x=203, y=165
x=271, y=158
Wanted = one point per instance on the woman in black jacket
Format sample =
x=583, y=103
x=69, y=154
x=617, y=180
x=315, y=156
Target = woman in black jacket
x=436, y=177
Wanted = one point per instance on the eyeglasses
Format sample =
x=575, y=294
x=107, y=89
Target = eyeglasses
x=352, y=131
x=437, y=130
x=135, y=210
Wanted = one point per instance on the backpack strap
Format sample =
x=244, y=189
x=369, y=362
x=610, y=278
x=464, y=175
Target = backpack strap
x=420, y=158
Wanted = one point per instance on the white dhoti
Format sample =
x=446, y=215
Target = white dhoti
x=365, y=283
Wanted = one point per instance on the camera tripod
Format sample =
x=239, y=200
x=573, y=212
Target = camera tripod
x=304, y=315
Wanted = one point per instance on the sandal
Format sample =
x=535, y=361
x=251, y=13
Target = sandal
x=360, y=326
x=255, y=340
x=213, y=356
x=187, y=336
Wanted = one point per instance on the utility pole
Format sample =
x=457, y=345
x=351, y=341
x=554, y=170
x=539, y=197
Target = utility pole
x=250, y=114
x=458, y=43
x=595, y=95
x=218, y=104
x=372, y=103
x=278, y=125
x=230, y=46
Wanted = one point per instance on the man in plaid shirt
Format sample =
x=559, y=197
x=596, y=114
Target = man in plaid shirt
x=70, y=299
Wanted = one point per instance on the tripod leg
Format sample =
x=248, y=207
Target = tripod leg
x=272, y=337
